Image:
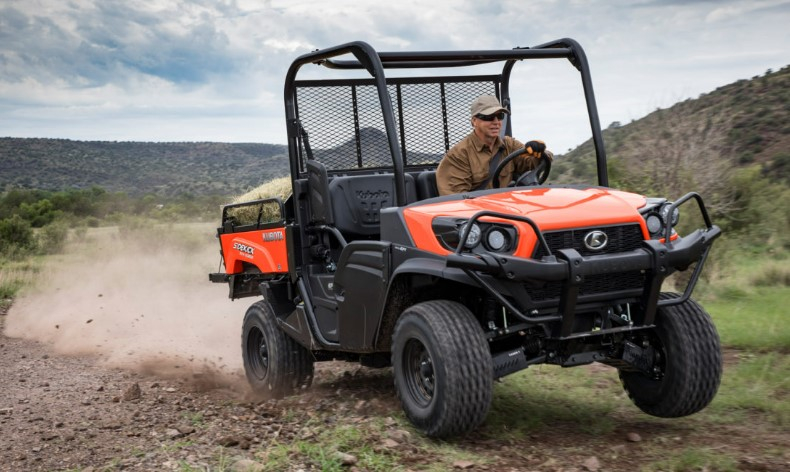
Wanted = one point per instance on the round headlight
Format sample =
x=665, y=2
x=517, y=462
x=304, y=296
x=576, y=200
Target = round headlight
x=672, y=219
x=473, y=238
x=496, y=239
x=654, y=223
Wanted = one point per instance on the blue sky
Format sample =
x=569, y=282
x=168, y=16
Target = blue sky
x=202, y=70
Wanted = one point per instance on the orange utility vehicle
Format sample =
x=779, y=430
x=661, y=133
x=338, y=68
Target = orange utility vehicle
x=365, y=262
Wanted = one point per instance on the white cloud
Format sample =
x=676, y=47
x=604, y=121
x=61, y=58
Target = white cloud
x=177, y=70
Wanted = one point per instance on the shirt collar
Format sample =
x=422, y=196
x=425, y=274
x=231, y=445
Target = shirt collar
x=481, y=146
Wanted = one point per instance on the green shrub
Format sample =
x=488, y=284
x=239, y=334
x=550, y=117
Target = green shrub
x=39, y=213
x=16, y=237
x=52, y=237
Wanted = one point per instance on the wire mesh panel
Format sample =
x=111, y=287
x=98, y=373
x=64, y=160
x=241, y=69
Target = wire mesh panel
x=458, y=111
x=345, y=129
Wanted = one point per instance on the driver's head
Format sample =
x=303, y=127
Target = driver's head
x=485, y=106
x=487, y=115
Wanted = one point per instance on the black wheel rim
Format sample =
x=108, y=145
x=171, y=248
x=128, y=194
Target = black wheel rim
x=258, y=353
x=419, y=372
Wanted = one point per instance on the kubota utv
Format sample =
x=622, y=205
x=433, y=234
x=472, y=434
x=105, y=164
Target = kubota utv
x=365, y=262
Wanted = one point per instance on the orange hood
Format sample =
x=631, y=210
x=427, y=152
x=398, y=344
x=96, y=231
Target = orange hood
x=550, y=208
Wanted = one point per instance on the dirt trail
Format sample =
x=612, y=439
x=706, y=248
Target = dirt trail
x=124, y=357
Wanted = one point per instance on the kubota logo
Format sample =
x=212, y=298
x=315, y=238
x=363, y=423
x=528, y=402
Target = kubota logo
x=595, y=240
x=273, y=236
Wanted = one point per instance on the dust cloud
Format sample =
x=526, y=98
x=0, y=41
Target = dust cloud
x=138, y=299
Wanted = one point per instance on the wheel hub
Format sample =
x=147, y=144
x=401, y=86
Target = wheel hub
x=421, y=380
x=263, y=352
x=426, y=374
x=258, y=353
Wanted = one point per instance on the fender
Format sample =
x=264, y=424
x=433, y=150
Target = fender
x=265, y=249
x=411, y=263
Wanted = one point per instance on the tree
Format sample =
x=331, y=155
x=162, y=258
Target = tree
x=681, y=154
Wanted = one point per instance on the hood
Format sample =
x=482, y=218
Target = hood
x=551, y=208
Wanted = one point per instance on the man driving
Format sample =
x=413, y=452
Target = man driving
x=469, y=164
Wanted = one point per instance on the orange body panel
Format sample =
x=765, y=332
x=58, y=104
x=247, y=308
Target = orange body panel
x=550, y=208
x=265, y=249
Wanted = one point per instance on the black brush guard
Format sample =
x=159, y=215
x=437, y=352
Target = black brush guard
x=655, y=258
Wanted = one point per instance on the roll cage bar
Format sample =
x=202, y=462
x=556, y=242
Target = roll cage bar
x=375, y=62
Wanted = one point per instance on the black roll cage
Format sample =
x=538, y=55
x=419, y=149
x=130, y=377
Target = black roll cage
x=375, y=62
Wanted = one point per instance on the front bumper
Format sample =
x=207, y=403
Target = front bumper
x=568, y=269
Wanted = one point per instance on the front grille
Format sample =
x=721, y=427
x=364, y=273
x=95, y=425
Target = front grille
x=592, y=285
x=621, y=239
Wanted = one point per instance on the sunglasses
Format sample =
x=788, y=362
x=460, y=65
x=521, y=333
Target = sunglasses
x=499, y=116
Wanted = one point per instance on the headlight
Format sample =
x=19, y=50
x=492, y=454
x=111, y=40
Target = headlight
x=497, y=239
x=473, y=238
x=654, y=223
x=483, y=236
x=672, y=219
x=657, y=217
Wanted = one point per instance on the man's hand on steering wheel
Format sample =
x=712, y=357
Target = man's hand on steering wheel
x=535, y=148
x=535, y=176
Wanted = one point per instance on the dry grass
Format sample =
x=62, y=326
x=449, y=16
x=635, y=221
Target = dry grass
x=775, y=273
x=14, y=276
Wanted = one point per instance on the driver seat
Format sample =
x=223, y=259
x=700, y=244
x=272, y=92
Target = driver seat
x=426, y=184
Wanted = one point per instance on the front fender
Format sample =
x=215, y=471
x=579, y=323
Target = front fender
x=416, y=271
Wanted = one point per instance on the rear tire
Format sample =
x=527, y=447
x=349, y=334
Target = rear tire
x=443, y=368
x=688, y=363
x=274, y=363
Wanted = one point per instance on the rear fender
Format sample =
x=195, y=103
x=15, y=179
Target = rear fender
x=265, y=249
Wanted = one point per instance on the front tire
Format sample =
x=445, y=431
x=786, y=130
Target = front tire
x=274, y=363
x=442, y=367
x=688, y=363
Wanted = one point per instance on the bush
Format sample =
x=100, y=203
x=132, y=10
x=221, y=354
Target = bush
x=16, y=237
x=39, y=213
x=52, y=238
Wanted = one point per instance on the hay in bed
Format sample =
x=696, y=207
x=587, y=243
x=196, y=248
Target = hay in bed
x=269, y=212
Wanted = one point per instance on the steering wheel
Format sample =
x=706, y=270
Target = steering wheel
x=535, y=176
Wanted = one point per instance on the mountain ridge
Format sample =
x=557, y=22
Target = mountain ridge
x=736, y=125
x=136, y=167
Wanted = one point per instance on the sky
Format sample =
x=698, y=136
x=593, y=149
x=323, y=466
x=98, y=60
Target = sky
x=205, y=70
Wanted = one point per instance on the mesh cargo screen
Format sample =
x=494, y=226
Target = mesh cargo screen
x=345, y=125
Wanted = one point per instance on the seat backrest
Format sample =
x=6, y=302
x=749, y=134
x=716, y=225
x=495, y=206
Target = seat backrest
x=318, y=188
x=358, y=199
x=426, y=185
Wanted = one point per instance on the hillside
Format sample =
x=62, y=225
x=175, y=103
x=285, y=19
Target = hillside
x=693, y=145
x=139, y=168
x=737, y=125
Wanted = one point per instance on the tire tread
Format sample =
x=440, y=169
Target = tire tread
x=464, y=351
x=291, y=365
x=694, y=364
